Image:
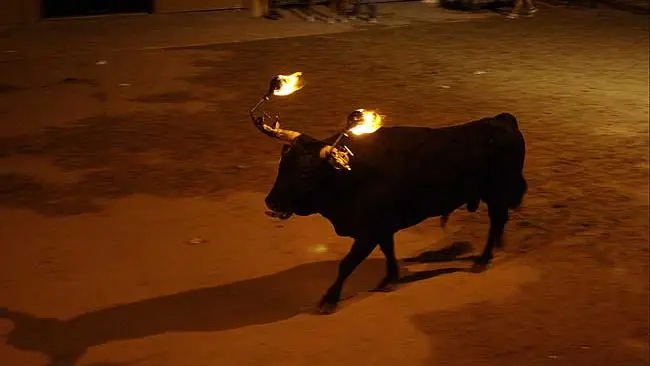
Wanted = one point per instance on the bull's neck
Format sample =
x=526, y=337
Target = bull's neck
x=338, y=198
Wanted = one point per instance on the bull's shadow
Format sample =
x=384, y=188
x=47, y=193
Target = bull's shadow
x=260, y=300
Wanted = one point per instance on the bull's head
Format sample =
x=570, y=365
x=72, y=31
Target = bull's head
x=302, y=175
x=306, y=164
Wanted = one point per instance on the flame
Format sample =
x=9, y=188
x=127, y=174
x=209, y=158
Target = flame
x=371, y=123
x=289, y=84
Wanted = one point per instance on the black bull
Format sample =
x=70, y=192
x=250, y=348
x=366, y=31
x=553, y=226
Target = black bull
x=401, y=176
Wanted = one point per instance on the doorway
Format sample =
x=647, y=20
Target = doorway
x=71, y=8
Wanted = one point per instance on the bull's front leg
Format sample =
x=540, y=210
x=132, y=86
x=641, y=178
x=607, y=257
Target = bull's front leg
x=390, y=282
x=498, y=218
x=360, y=250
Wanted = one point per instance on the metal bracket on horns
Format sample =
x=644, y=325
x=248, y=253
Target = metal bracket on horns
x=339, y=155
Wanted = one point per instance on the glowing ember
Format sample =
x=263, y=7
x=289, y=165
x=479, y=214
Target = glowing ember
x=370, y=123
x=319, y=249
x=289, y=84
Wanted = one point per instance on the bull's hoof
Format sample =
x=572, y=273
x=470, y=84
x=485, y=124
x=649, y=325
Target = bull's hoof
x=479, y=268
x=481, y=263
x=327, y=308
x=387, y=285
x=327, y=305
x=387, y=288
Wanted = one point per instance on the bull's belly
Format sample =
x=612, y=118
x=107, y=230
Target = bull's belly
x=397, y=212
x=386, y=219
x=411, y=212
x=404, y=219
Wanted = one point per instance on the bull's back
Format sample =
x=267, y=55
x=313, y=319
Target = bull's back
x=419, y=172
x=422, y=151
x=431, y=171
x=497, y=138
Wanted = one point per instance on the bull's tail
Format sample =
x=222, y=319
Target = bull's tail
x=517, y=191
x=512, y=154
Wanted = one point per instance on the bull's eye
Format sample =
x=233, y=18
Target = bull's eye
x=305, y=161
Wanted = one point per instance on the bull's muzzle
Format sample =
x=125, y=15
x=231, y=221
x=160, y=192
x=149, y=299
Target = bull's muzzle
x=275, y=211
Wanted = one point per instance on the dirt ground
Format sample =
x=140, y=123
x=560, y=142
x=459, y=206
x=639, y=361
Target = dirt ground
x=107, y=173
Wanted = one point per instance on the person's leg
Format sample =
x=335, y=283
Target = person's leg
x=310, y=11
x=356, y=8
x=272, y=12
x=359, y=7
x=372, y=10
x=531, y=7
x=516, y=10
x=342, y=10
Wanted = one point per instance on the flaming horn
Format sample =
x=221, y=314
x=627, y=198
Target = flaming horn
x=280, y=85
x=359, y=122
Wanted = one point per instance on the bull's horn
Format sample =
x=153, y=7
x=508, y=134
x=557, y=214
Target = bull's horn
x=325, y=152
x=338, y=157
x=276, y=131
x=286, y=135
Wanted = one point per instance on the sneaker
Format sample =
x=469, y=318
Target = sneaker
x=533, y=10
x=273, y=15
x=512, y=16
x=372, y=20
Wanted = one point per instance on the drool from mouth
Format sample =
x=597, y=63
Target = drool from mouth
x=279, y=215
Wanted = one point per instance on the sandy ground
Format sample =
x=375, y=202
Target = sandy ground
x=107, y=173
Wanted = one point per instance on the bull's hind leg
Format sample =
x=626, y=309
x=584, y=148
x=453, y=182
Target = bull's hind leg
x=360, y=250
x=389, y=283
x=498, y=218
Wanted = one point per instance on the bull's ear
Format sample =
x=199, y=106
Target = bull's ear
x=325, y=151
x=285, y=148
